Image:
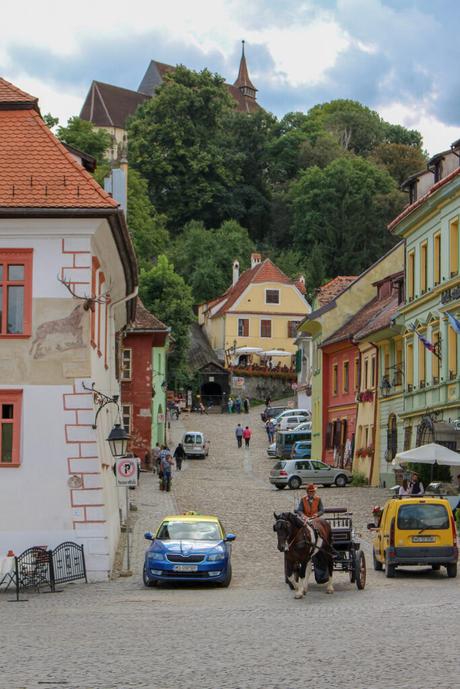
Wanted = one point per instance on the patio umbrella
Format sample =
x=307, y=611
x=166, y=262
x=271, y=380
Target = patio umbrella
x=276, y=352
x=248, y=350
x=428, y=454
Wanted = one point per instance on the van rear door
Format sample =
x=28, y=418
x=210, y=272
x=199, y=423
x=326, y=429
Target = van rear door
x=422, y=524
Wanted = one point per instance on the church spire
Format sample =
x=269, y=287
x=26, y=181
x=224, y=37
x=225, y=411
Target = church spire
x=243, y=82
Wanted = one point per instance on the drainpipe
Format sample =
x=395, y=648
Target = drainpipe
x=374, y=432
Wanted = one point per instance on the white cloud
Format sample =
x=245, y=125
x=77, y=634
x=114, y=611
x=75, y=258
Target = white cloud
x=50, y=98
x=304, y=53
x=437, y=136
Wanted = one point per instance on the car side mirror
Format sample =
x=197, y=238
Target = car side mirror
x=371, y=526
x=230, y=537
x=149, y=536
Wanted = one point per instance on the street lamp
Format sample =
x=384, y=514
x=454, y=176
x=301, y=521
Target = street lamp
x=118, y=441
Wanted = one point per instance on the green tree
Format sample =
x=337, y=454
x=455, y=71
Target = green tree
x=83, y=135
x=401, y=160
x=344, y=210
x=180, y=145
x=205, y=257
x=50, y=121
x=165, y=293
x=146, y=226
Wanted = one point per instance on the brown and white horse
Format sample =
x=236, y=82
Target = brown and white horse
x=303, y=540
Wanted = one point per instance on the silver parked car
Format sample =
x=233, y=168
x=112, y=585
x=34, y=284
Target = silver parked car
x=296, y=472
x=195, y=444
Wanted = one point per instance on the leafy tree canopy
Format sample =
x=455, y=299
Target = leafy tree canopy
x=166, y=294
x=205, y=257
x=343, y=210
x=400, y=160
x=147, y=227
x=180, y=145
x=83, y=135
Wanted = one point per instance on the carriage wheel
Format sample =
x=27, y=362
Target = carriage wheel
x=360, y=570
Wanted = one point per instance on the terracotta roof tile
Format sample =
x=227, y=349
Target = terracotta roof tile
x=333, y=288
x=9, y=93
x=359, y=320
x=262, y=272
x=382, y=318
x=37, y=171
x=145, y=320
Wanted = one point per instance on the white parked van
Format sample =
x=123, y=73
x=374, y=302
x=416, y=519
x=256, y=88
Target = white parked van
x=195, y=444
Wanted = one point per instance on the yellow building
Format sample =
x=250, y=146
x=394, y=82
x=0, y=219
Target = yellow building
x=260, y=310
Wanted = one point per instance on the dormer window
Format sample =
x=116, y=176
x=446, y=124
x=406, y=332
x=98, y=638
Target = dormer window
x=437, y=170
x=413, y=192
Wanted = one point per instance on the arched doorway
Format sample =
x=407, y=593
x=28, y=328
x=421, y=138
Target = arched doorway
x=211, y=394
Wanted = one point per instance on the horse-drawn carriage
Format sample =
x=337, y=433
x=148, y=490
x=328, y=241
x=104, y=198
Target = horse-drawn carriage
x=324, y=546
x=348, y=556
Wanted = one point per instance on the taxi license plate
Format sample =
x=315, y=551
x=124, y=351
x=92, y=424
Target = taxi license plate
x=423, y=539
x=185, y=568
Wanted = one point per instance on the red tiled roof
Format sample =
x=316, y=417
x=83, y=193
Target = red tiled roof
x=262, y=272
x=11, y=94
x=359, y=321
x=333, y=288
x=382, y=318
x=413, y=206
x=36, y=169
x=145, y=320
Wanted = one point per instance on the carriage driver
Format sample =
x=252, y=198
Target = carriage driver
x=311, y=504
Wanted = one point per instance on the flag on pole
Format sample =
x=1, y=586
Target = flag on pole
x=454, y=322
x=426, y=343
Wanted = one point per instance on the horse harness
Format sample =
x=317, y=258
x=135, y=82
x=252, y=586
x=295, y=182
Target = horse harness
x=313, y=546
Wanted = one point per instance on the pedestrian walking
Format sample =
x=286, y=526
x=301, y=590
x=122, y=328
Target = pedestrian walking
x=246, y=405
x=272, y=430
x=268, y=430
x=247, y=435
x=166, y=471
x=156, y=457
x=238, y=405
x=239, y=435
x=268, y=401
x=230, y=405
x=179, y=456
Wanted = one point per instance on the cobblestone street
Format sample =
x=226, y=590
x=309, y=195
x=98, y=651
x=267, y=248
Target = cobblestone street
x=396, y=633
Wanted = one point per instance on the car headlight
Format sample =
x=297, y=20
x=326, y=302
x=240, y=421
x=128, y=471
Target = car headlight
x=217, y=557
x=156, y=556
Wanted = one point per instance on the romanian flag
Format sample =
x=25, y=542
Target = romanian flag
x=454, y=322
x=426, y=343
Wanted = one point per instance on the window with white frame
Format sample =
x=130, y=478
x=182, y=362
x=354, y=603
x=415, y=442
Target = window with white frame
x=127, y=417
x=127, y=364
x=272, y=296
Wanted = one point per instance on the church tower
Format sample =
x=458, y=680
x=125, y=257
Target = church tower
x=243, y=82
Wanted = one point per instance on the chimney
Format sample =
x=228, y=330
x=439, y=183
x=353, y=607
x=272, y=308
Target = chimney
x=236, y=271
x=255, y=260
x=300, y=284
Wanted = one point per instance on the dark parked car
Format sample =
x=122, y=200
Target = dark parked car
x=271, y=412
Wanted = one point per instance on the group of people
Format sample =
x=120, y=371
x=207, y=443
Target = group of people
x=237, y=405
x=164, y=461
x=412, y=487
x=243, y=434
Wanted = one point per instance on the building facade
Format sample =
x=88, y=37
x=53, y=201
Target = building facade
x=261, y=310
x=430, y=228
x=68, y=277
x=143, y=381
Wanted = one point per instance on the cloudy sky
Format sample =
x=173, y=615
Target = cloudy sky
x=399, y=57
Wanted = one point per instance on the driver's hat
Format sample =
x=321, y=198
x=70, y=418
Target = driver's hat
x=311, y=488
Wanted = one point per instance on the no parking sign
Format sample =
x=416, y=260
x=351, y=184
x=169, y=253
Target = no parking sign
x=126, y=471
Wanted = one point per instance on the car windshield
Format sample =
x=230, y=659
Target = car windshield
x=423, y=517
x=190, y=531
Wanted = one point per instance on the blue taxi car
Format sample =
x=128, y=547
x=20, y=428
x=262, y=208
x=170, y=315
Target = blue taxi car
x=189, y=547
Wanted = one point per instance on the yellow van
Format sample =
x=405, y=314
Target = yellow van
x=415, y=531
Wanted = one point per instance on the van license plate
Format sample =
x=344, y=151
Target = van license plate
x=185, y=568
x=423, y=539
